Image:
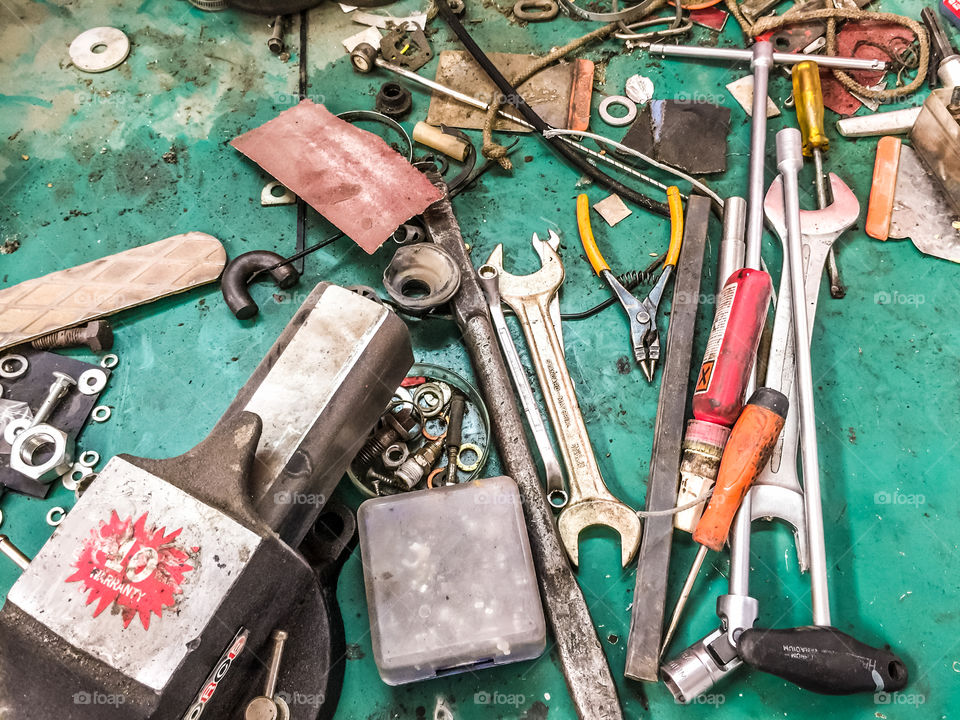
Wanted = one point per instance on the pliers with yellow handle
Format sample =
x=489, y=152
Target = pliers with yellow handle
x=641, y=313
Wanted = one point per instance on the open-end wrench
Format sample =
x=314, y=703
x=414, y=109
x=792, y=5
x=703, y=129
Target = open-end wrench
x=777, y=491
x=553, y=240
x=590, y=502
x=556, y=491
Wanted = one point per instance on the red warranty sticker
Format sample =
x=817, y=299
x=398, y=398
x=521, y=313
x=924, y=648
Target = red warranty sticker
x=137, y=568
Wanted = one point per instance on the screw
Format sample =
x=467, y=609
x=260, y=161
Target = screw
x=275, y=42
x=96, y=335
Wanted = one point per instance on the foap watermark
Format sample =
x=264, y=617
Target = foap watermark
x=896, y=497
x=287, y=497
x=293, y=98
x=498, y=698
x=898, y=298
x=98, y=698
x=296, y=699
x=899, y=698
x=712, y=699
x=689, y=98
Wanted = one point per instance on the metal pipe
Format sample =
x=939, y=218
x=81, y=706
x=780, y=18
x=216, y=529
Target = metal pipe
x=732, y=247
x=789, y=162
x=761, y=64
x=737, y=55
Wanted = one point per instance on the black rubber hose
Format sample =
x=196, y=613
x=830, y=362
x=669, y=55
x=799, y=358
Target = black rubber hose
x=560, y=147
x=241, y=270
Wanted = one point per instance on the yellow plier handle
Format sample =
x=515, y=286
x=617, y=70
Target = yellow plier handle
x=586, y=235
x=590, y=243
x=676, y=225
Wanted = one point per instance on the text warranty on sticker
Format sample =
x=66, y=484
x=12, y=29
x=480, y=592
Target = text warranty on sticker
x=135, y=567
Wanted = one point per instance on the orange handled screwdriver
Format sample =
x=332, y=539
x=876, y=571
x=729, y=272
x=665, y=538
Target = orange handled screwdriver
x=747, y=450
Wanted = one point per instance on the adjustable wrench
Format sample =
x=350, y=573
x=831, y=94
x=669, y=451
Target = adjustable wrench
x=590, y=502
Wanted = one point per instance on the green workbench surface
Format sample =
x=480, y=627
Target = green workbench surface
x=94, y=164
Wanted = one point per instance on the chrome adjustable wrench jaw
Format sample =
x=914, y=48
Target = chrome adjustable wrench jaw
x=590, y=503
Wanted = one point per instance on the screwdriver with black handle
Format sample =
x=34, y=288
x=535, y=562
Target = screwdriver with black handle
x=751, y=442
x=808, y=100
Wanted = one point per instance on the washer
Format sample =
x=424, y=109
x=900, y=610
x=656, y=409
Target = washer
x=15, y=427
x=89, y=458
x=75, y=475
x=478, y=451
x=101, y=413
x=617, y=100
x=99, y=49
x=92, y=381
x=109, y=361
x=55, y=516
x=19, y=366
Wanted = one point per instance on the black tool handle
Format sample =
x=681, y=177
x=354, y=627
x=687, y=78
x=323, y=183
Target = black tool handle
x=822, y=659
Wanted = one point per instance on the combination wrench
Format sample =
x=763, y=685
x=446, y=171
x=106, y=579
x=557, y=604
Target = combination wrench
x=556, y=491
x=590, y=502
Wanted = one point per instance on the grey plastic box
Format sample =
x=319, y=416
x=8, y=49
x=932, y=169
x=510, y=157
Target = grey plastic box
x=450, y=580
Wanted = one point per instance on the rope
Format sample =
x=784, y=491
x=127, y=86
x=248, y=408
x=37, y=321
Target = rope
x=495, y=151
x=831, y=15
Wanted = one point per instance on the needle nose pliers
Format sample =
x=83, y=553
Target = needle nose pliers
x=642, y=314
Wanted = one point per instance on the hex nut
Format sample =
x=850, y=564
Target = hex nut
x=34, y=438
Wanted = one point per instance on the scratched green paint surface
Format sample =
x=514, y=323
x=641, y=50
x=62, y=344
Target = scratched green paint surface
x=83, y=175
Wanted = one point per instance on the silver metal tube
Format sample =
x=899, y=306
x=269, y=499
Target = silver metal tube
x=737, y=55
x=450, y=92
x=14, y=553
x=789, y=162
x=893, y=122
x=731, y=241
x=761, y=64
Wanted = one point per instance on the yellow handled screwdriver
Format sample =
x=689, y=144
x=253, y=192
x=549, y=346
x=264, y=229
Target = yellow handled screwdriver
x=808, y=99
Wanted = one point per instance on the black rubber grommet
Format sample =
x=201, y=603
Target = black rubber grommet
x=393, y=100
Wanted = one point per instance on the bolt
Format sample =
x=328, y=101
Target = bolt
x=275, y=42
x=96, y=335
x=399, y=425
x=60, y=387
x=454, y=435
x=954, y=107
x=13, y=552
x=279, y=637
